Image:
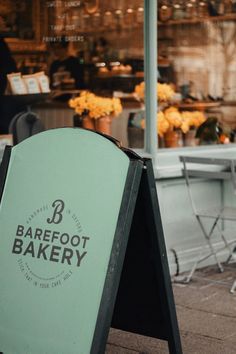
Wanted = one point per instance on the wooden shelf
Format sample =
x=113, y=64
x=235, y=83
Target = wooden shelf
x=229, y=17
x=201, y=106
x=122, y=29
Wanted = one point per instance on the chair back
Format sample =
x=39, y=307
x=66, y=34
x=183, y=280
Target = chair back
x=222, y=169
x=24, y=125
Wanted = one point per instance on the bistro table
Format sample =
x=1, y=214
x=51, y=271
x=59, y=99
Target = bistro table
x=223, y=168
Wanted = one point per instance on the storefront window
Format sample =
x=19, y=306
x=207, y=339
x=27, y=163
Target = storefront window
x=109, y=46
x=197, y=58
x=95, y=46
x=100, y=47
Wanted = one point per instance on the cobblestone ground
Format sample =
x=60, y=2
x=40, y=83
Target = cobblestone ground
x=206, y=313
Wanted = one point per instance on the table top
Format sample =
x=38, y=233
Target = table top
x=221, y=166
x=222, y=158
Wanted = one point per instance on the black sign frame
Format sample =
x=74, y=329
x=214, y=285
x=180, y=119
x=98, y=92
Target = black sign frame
x=148, y=310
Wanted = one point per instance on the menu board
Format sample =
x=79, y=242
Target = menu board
x=62, y=196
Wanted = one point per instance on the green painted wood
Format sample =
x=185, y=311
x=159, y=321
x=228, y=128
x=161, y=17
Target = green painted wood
x=58, y=218
x=150, y=69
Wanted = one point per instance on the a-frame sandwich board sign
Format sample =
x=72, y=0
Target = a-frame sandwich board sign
x=67, y=201
x=147, y=308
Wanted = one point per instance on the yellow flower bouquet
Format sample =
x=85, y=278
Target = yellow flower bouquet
x=164, y=92
x=183, y=120
x=95, y=106
x=181, y=123
x=96, y=111
x=162, y=124
x=172, y=119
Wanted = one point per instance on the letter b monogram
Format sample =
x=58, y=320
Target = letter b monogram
x=58, y=206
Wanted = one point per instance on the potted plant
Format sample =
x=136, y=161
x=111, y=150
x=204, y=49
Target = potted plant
x=193, y=119
x=96, y=111
x=182, y=127
x=176, y=128
x=165, y=92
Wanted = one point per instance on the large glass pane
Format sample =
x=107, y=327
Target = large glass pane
x=197, y=57
x=108, y=40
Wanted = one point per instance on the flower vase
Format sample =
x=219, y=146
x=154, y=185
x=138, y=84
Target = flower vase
x=78, y=120
x=136, y=137
x=161, y=141
x=103, y=125
x=88, y=123
x=173, y=138
x=189, y=138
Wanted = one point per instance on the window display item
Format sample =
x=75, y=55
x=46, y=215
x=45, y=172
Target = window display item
x=203, y=9
x=91, y=6
x=140, y=15
x=228, y=6
x=107, y=19
x=17, y=84
x=86, y=22
x=209, y=132
x=165, y=11
x=129, y=17
x=31, y=83
x=216, y=7
x=96, y=20
x=119, y=18
x=178, y=10
x=191, y=9
x=234, y=5
x=43, y=81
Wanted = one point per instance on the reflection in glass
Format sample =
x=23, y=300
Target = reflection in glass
x=96, y=20
x=129, y=17
x=107, y=19
x=140, y=14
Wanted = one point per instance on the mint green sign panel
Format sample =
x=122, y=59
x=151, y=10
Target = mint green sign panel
x=58, y=217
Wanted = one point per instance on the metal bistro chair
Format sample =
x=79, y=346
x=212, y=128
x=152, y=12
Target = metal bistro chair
x=24, y=125
x=202, y=168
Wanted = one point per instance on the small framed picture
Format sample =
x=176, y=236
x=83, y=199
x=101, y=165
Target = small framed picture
x=17, y=84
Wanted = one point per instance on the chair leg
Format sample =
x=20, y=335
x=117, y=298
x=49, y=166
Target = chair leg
x=227, y=246
x=232, y=255
x=208, y=240
x=213, y=253
x=232, y=290
x=200, y=259
x=188, y=278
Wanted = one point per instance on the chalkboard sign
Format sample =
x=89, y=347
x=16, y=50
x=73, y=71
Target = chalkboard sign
x=67, y=200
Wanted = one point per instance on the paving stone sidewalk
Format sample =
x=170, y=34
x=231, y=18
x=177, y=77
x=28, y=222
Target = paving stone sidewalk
x=206, y=314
